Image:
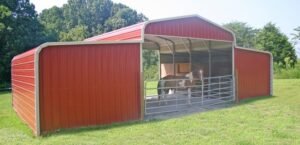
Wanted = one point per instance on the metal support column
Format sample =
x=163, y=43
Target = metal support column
x=159, y=64
x=202, y=86
x=190, y=50
x=174, y=65
x=209, y=67
x=173, y=52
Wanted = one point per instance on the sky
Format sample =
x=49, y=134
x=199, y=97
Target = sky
x=284, y=13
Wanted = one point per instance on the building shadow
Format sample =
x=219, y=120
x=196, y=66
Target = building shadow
x=254, y=99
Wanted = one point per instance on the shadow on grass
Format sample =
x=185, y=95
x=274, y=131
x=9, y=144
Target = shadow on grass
x=255, y=99
x=74, y=131
x=4, y=92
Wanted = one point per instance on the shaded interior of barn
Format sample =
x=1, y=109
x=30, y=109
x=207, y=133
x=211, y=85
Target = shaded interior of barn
x=208, y=61
x=179, y=56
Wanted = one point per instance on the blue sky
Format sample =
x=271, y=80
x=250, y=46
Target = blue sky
x=285, y=14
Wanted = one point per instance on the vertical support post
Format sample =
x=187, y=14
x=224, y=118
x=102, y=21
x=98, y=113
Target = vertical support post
x=191, y=70
x=209, y=67
x=162, y=89
x=145, y=97
x=145, y=89
x=176, y=95
x=190, y=54
x=237, y=88
x=189, y=94
x=271, y=74
x=202, y=86
x=190, y=87
x=174, y=65
x=189, y=50
x=142, y=89
x=233, y=72
x=159, y=64
x=173, y=51
x=219, y=86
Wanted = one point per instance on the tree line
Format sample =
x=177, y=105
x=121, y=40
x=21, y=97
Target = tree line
x=269, y=38
x=22, y=28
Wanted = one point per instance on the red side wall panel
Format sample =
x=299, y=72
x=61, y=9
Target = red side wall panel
x=23, y=87
x=87, y=85
x=189, y=27
x=253, y=72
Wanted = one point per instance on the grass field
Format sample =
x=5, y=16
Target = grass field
x=265, y=120
x=151, y=88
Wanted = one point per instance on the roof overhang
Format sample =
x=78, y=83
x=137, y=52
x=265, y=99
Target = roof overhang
x=138, y=30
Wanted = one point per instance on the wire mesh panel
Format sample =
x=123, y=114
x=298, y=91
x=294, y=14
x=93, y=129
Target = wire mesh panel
x=185, y=93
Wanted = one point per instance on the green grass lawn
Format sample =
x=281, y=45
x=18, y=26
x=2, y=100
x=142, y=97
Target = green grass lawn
x=265, y=120
x=151, y=87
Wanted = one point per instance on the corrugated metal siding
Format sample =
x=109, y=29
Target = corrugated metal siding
x=184, y=27
x=188, y=27
x=87, y=85
x=133, y=32
x=253, y=71
x=23, y=87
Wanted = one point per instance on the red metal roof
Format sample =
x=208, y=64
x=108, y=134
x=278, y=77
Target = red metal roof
x=192, y=26
x=132, y=32
x=25, y=54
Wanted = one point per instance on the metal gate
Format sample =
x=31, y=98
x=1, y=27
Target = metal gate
x=203, y=93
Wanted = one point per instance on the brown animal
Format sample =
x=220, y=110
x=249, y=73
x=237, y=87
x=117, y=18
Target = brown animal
x=171, y=82
x=167, y=83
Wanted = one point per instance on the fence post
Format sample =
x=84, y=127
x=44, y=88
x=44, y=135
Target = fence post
x=202, y=86
x=189, y=95
x=176, y=85
x=190, y=88
x=144, y=107
x=236, y=87
x=219, y=86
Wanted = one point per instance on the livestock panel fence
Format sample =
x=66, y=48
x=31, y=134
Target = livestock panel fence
x=207, y=91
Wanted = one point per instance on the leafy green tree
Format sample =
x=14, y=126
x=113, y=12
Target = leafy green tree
x=77, y=33
x=122, y=16
x=150, y=64
x=297, y=34
x=94, y=16
x=20, y=30
x=150, y=58
x=245, y=35
x=296, y=39
x=53, y=21
x=271, y=39
x=4, y=13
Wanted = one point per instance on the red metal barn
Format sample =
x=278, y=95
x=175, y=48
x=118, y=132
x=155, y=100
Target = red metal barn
x=100, y=81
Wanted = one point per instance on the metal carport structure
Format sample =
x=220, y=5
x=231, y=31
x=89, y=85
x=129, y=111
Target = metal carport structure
x=190, y=42
x=50, y=95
